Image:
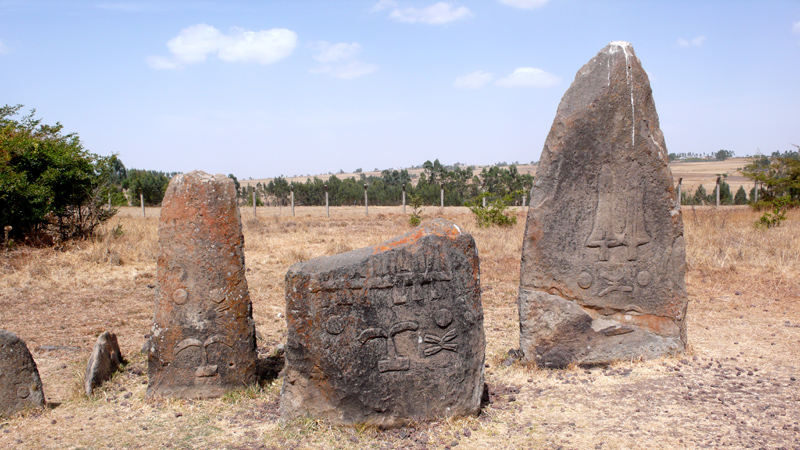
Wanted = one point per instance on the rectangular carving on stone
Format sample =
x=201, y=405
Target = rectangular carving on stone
x=408, y=344
x=603, y=258
x=203, y=338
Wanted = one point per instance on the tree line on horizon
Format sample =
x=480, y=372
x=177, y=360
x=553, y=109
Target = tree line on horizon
x=459, y=184
x=52, y=189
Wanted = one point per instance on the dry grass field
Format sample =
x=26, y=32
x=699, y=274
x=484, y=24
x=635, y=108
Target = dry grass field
x=736, y=386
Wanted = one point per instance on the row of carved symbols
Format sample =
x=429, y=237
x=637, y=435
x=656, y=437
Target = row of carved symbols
x=400, y=294
x=394, y=361
x=614, y=281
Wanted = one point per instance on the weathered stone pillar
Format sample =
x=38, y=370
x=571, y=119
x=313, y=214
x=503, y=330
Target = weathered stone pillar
x=603, y=257
x=387, y=334
x=203, y=338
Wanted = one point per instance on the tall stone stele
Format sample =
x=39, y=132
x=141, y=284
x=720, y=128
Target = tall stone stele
x=388, y=333
x=603, y=257
x=203, y=337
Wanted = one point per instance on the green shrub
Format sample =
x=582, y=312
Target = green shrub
x=415, y=201
x=51, y=188
x=495, y=211
x=778, y=215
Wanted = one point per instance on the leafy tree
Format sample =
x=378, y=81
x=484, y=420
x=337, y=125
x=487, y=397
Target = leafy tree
x=700, y=196
x=151, y=183
x=722, y=155
x=725, y=196
x=741, y=197
x=779, y=175
x=50, y=186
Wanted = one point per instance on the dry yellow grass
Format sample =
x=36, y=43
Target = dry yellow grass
x=732, y=388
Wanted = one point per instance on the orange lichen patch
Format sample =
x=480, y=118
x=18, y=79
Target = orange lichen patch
x=436, y=227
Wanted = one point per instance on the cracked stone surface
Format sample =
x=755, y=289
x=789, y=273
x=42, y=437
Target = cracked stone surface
x=388, y=333
x=603, y=258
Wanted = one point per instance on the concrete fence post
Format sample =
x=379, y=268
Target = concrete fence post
x=141, y=200
x=292, y=193
x=404, y=198
x=254, y=203
x=680, y=181
x=327, y=206
x=717, y=188
x=441, y=199
x=366, y=201
x=756, y=192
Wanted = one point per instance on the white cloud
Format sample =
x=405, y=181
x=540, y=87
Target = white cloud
x=339, y=60
x=474, y=80
x=524, y=4
x=796, y=28
x=195, y=43
x=436, y=14
x=529, y=77
x=383, y=4
x=694, y=42
x=328, y=52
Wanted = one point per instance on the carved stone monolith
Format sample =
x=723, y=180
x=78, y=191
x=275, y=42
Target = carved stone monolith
x=603, y=257
x=20, y=385
x=203, y=336
x=387, y=334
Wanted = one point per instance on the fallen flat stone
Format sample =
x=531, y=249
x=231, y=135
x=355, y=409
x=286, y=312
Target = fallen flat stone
x=203, y=336
x=387, y=334
x=20, y=385
x=105, y=360
x=603, y=258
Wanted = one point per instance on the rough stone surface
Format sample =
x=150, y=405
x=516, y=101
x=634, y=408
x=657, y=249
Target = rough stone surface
x=388, y=333
x=603, y=257
x=20, y=385
x=105, y=360
x=203, y=336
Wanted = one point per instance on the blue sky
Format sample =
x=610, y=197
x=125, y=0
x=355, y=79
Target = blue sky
x=268, y=88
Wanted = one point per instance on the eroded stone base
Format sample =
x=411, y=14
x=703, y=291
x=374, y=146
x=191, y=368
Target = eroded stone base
x=555, y=332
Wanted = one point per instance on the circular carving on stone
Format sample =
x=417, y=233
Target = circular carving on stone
x=180, y=296
x=585, y=280
x=443, y=317
x=335, y=325
x=23, y=392
x=643, y=278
